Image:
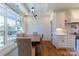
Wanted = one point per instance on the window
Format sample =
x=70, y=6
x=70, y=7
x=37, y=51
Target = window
x=1, y=31
x=10, y=25
x=12, y=30
x=19, y=25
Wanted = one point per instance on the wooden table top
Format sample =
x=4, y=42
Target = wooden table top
x=34, y=38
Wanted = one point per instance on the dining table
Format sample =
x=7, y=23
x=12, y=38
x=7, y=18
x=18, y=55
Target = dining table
x=25, y=42
x=35, y=39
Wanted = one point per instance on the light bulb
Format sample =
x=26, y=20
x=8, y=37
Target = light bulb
x=32, y=9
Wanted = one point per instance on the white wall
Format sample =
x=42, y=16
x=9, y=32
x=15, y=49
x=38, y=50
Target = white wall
x=58, y=22
x=41, y=25
x=25, y=23
x=60, y=19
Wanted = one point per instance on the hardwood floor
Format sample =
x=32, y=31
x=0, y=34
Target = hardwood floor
x=14, y=52
x=47, y=49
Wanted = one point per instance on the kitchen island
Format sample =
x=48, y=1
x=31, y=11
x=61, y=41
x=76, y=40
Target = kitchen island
x=64, y=41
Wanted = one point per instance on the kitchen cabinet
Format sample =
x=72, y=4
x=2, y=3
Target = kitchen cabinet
x=65, y=41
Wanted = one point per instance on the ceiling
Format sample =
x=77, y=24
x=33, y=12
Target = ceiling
x=62, y=6
x=41, y=9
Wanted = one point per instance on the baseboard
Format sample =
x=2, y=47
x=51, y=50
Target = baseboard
x=4, y=50
x=46, y=39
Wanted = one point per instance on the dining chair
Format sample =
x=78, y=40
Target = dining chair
x=41, y=39
x=24, y=46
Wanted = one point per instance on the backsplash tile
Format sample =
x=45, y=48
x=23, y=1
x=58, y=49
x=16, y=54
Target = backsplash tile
x=72, y=28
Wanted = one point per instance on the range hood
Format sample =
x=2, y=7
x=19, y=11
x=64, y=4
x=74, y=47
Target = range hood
x=73, y=16
x=74, y=21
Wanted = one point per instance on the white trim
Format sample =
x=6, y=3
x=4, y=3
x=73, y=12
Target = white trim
x=46, y=39
x=7, y=48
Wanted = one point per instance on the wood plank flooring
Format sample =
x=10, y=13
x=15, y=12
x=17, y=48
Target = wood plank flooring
x=14, y=52
x=47, y=49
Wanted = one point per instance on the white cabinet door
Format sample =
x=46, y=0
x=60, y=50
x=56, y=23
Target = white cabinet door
x=60, y=41
x=65, y=41
x=71, y=41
